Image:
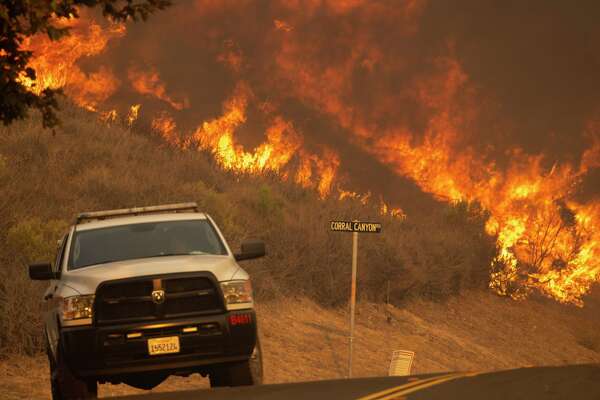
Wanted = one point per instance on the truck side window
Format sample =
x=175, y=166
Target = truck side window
x=60, y=254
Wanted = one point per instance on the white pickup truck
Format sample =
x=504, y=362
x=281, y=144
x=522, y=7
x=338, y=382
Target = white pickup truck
x=139, y=294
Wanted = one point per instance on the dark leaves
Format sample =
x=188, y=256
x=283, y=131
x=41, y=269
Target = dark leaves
x=24, y=18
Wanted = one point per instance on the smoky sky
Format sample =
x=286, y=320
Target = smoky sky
x=529, y=72
x=537, y=60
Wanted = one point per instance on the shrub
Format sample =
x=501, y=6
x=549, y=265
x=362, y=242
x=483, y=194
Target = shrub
x=32, y=240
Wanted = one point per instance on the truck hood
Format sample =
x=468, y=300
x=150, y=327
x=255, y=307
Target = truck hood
x=86, y=280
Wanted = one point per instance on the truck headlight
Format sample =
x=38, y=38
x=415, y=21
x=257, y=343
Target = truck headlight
x=238, y=294
x=77, y=310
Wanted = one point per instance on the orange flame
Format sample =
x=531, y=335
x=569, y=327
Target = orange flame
x=347, y=194
x=365, y=198
x=546, y=240
x=109, y=116
x=55, y=62
x=149, y=83
x=282, y=25
x=165, y=125
x=283, y=144
x=396, y=212
x=542, y=239
x=134, y=111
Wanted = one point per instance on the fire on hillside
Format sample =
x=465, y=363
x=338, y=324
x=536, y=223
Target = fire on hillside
x=406, y=94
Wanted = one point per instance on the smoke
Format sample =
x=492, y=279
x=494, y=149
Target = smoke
x=358, y=76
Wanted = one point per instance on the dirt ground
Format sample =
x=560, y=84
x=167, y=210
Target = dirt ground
x=302, y=341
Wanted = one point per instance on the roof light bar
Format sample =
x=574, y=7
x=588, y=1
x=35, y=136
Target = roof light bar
x=136, y=211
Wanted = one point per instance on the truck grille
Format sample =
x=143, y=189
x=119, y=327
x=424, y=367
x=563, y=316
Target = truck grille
x=131, y=300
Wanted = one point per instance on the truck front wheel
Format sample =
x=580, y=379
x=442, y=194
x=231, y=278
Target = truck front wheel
x=249, y=372
x=64, y=384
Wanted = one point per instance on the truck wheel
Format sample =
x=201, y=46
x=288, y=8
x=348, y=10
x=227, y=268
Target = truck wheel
x=249, y=372
x=64, y=384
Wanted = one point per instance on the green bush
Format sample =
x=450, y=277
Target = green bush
x=269, y=205
x=34, y=240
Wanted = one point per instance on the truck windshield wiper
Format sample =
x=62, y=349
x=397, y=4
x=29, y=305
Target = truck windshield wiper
x=191, y=253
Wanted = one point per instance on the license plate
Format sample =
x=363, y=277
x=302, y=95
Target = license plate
x=165, y=345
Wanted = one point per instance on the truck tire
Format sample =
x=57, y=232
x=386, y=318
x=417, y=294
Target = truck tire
x=249, y=372
x=64, y=384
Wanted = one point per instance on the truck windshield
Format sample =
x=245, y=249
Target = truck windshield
x=156, y=239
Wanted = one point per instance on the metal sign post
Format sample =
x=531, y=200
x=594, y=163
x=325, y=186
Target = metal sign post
x=355, y=227
x=352, y=297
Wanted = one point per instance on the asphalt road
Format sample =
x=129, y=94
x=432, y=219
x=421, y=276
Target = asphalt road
x=567, y=382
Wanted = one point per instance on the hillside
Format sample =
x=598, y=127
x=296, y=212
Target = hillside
x=434, y=266
x=47, y=177
x=304, y=341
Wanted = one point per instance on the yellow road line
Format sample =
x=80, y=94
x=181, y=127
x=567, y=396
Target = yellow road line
x=378, y=395
x=411, y=387
x=406, y=391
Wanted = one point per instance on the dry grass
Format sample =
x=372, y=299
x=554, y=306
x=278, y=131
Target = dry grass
x=304, y=341
x=590, y=339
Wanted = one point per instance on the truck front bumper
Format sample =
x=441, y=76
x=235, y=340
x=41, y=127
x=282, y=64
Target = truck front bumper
x=106, y=351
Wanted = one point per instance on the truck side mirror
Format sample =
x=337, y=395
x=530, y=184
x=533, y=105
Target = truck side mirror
x=251, y=249
x=42, y=272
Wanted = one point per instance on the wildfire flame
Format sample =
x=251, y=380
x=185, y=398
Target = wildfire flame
x=166, y=126
x=547, y=237
x=134, y=111
x=544, y=240
x=109, y=116
x=365, y=198
x=56, y=66
x=283, y=144
x=149, y=83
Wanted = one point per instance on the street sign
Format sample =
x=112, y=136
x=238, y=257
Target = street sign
x=355, y=227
